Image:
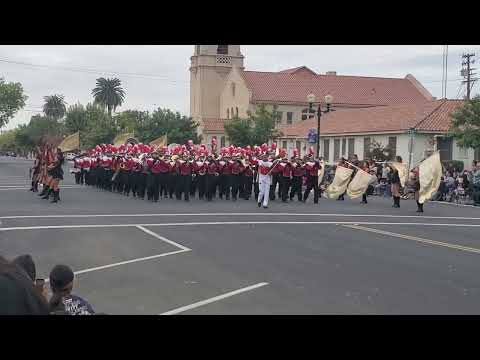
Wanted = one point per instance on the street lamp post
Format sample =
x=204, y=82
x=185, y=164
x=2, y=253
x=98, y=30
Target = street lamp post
x=311, y=98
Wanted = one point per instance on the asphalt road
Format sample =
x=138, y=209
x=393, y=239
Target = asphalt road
x=225, y=257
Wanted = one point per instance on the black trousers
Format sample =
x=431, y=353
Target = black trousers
x=83, y=176
x=224, y=185
x=247, y=182
x=152, y=187
x=172, y=183
x=201, y=181
x=312, y=183
x=286, y=183
x=141, y=185
x=235, y=180
x=185, y=184
x=276, y=180
x=77, y=178
x=296, y=187
x=108, y=179
x=163, y=183
x=211, y=185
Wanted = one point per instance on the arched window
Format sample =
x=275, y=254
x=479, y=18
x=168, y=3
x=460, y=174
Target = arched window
x=232, y=112
x=236, y=111
x=233, y=89
x=222, y=49
x=228, y=113
x=222, y=141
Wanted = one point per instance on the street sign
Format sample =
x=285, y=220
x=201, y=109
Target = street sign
x=312, y=136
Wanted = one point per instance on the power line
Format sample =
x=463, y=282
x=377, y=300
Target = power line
x=93, y=71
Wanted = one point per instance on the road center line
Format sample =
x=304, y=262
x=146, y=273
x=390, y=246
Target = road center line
x=60, y=216
x=211, y=300
x=234, y=223
x=415, y=238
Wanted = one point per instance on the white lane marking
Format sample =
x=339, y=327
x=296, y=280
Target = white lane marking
x=415, y=238
x=181, y=247
x=235, y=214
x=449, y=203
x=213, y=299
x=149, y=232
x=233, y=223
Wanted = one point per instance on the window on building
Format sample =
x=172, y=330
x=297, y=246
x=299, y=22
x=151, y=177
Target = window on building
x=197, y=49
x=366, y=147
x=477, y=154
x=326, y=150
x=222, y=141
x=344, y=147
x=298, y=145
x=222, y=49
x=308, y=114
x=392, y=144
x=289, y=117
x=228, y=113
x=236, y=111
x=444, y=145
x=336, y=149
x=284, y=144
x=463, y=152
x=233, y=89
x=279, y=116
x=232, y=113
x=351, y=147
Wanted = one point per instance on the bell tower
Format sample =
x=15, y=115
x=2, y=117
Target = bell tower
x=210, y=65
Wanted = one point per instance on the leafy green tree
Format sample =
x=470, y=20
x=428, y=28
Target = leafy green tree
x=7, y=140
x=12, y=99
x=465, y=125
x=257, y=128
x=109, y=94
x=130, y=120
x=76, y=119
x=379, y=152
x=179, y=129
x=54, y=107
x=99, y=129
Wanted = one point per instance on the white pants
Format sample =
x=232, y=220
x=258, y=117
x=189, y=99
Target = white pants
x=264, y=191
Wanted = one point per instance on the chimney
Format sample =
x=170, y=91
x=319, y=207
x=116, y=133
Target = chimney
x=333, y=73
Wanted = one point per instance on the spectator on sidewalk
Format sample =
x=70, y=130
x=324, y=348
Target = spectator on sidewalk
x=63, y=301
x=18, y=295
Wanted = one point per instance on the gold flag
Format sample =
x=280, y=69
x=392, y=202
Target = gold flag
x=339, y=183
x=430, y=171
x=122, y=138
x=359, y=184
x=161, y=141
x=70, y=143
x=321, y=172
x=402, y=171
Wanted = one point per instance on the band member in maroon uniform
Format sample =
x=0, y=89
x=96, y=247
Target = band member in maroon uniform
x=297, y=178
x=200, y=167
x=154, y=183
x=212, y=176
x=186, y=169
x=227, y=173
x=276, y=179
x=286, y=178
x=312, y=166
x=247, y=180
x=222, y=178
x=165, y=169
x=237, y=170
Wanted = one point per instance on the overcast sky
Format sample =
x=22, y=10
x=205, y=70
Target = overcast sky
x=158, y=76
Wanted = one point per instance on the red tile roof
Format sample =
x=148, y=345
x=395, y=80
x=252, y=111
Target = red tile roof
x=298, y=70
x=212, y=125
x=288, y=87
x=426, y=116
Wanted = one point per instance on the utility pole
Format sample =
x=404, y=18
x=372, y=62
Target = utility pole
x=467, y=72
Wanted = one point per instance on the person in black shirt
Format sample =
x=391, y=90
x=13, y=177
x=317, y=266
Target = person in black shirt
x=396, y=184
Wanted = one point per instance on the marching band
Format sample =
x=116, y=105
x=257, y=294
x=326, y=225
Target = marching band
x=186, y=170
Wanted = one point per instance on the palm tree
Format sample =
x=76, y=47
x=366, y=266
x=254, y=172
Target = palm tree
x=54, y=107
x=109, y=93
